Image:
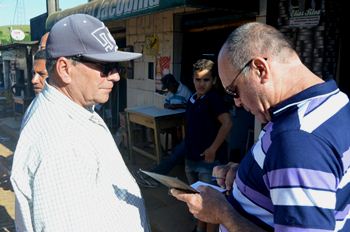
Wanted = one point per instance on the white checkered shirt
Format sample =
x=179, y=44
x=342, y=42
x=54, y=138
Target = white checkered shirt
x=68, y=174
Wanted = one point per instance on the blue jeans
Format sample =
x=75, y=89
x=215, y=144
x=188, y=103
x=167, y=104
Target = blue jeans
x=200, y=170
x=168, y=163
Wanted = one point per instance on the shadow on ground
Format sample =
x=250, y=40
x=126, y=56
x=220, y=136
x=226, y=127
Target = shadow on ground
x=6, y=222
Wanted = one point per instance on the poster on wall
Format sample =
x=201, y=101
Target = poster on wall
x=162, y=68
x=304, y=13
x=151, y=46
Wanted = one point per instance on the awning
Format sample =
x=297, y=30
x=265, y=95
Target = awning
x=17, y=44
x=107, y=10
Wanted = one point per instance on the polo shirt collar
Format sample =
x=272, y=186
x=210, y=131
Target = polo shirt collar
x=327, y=88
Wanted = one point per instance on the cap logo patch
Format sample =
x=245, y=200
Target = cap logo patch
x=103, y=37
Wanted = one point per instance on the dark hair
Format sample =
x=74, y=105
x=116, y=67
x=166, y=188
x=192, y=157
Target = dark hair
x=169, y=80
x=40, y=55
x=205, y=64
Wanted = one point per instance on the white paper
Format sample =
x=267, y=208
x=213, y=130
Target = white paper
x=201, y=183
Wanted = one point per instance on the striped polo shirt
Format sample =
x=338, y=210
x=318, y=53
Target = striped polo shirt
x=296, y=177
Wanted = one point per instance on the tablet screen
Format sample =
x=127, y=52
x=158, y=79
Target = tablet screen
x=171, y=182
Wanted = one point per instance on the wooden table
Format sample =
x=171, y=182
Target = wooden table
x=156, y=119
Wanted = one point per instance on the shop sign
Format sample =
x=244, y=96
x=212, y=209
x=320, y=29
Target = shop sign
x=303, y=14
x=115, y=9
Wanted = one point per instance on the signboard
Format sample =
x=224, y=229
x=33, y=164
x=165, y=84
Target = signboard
x=122, y=9
x=17, y=34
x=304, y=13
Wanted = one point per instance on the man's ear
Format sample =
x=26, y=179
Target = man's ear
x=63, y=68
x=261, y=68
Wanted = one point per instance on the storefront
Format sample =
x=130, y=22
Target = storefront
x=171, y=35
x=16, y=72
x=316, y=28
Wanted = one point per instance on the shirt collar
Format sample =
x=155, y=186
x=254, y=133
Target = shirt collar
x=327, y=88
x=73, y=109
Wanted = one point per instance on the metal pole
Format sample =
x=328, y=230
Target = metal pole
x=52, y=6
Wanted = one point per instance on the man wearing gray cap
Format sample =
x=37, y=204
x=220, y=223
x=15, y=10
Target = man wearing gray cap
x=68, y=174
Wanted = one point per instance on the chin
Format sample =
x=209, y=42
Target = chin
x=102, y=100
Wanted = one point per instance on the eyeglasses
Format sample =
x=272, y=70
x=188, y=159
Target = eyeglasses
x=105, y=68
x=232, y=89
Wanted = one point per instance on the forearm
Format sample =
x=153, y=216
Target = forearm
x=234, y=222
x=221, y=136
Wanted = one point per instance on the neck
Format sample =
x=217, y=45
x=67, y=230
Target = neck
x=296, y=78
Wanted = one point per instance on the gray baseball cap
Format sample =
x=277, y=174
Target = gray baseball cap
x=85, y=36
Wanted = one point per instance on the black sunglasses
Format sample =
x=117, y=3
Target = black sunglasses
x=104, y=68
x=232, y=89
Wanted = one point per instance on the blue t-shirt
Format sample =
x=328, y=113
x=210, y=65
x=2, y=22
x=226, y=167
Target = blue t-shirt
x=180, y=97
x=296, y=177
x=203, y=125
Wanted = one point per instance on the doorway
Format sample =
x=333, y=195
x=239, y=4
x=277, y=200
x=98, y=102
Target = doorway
x=198, y=45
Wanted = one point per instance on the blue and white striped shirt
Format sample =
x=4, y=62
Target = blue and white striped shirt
x=68, y=174
x=180, y=97
x=296, y=177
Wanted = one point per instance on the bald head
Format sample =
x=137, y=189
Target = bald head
x=255, y=39
x=43, y=40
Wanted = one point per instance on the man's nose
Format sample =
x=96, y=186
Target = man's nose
x=114, y=77
x=35, y=78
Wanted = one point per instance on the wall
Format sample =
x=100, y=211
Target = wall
x=139, y=31
x=141, y=89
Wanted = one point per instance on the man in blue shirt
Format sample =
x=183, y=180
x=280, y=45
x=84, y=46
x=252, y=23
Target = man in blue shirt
x=178, y=94
x=296, y=177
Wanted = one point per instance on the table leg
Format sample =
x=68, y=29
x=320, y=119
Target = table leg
x=157, y=145
x=130, y=139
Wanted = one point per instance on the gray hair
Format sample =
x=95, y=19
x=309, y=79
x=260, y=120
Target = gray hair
x=255, y=39
x=50, y=64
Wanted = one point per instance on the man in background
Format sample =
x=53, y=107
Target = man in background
x=178, y=94
x=39, y=69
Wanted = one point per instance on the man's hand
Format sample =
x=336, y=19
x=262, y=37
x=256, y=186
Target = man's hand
x=207, y=206
x=226, y=174
x=209, y=155
x=211, y=206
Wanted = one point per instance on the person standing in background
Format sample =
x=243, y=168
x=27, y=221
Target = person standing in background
x=208, y=124
x=39, y=71
x=39, y=66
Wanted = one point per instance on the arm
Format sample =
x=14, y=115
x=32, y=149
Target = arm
x=212, y=207
x=225, y=128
